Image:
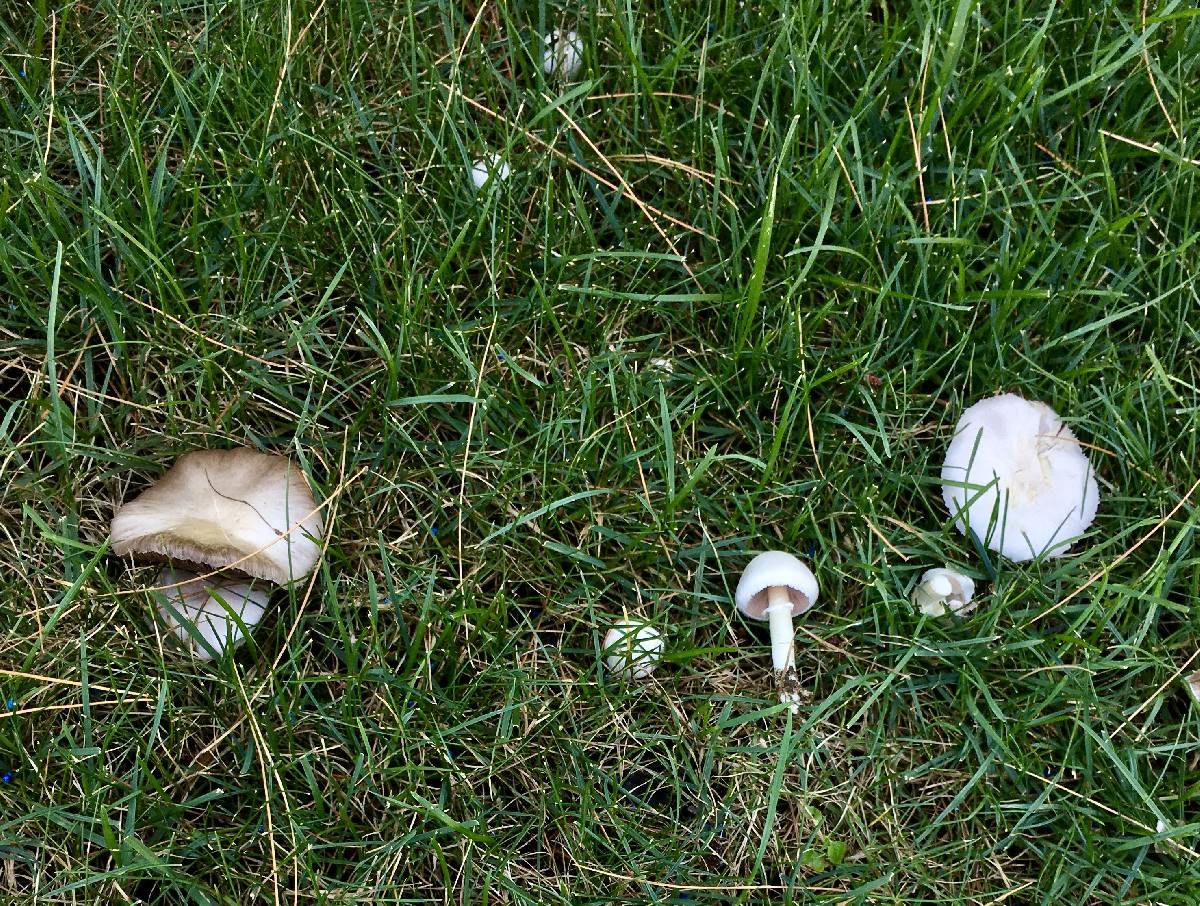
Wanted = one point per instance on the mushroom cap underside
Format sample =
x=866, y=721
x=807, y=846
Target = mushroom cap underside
x=775, y=569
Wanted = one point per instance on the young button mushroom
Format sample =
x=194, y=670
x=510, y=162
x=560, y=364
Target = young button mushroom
x=632, y=649
x=208, y=615
x=943, y=591
x=1016, y=476
x=484, y=169
x=776, y=587
x=239, y=509
x=563, y=55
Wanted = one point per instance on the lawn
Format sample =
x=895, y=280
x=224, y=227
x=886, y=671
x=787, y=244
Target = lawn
x=748, y=268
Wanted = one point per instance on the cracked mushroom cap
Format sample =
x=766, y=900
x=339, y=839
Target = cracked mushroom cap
x=208, y=615
x=1018, y=477
x=771, y=569
x=226, y=509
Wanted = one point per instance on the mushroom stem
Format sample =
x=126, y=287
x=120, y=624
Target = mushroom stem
x=783, y=638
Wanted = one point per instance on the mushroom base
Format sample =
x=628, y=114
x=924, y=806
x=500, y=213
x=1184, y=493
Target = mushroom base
x=788, y=684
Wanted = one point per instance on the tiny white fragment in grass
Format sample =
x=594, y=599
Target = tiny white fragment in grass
x=563, y=55
x=943, y=591
x=664, y=365
x=1017, y=477
x=632, y=649
x=484, y=169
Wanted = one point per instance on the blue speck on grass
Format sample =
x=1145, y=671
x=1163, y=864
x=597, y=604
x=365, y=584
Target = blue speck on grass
x=6, y=777
x=433, y=531
x=11, y=704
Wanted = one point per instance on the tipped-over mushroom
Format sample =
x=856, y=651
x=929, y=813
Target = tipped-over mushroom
x=208, y=615
x=1016, y=476
x=632, y=649
x=237, y=509
x=563, y=55
x=943, y=591
x=775, y=587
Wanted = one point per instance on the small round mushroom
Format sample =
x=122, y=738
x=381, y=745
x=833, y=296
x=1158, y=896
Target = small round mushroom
x=208, y=615
x=485, y=168
x=775, y=586
x=227, y=509
x=632, y=649
x=943, y=591
x=1017, y=477
x=563, y=56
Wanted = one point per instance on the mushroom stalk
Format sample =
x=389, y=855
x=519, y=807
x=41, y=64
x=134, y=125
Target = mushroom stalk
x=783, y=637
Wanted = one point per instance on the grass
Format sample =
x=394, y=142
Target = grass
x=743, y=278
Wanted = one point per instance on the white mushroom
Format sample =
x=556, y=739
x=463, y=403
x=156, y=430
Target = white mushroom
x=238, y=509
x=563, y=55
x=775, y=587
x=484, y=169
x=208, y=615
x=1017, y=477
x=943, y=591
x=1193, y=684
x=632, y=649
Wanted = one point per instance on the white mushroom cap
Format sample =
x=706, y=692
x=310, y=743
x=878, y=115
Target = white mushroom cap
x=226, y=508
x=632, y=649
x=943, y=591
x=209, y=605
x=775, y=569
x=1193, y=684
x=1019, y=477
x=485, y=168
x=563, y=55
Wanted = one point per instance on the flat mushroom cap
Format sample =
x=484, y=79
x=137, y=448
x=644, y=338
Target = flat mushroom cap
x=1020, y=477
x=206, y=604
x=226, y=508
x=774, y=569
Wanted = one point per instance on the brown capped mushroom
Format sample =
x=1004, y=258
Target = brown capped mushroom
x=226, y=509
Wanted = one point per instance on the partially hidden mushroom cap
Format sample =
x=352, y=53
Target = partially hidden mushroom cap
x=239, y=509
x=632, y=649
x=1017, y=476
x=205, y=613
x=775, y=569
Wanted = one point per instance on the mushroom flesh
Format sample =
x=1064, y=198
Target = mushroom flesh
x=943, y=591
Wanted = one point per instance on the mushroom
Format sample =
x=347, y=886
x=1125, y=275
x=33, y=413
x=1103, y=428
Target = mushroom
x=943, y=591
x=563, y=55
x=632, y=649
x=484, y=169
x=1193, y=683
x=208, y=615
x=775, y=586
x=1016, y=476
x=226, y=509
